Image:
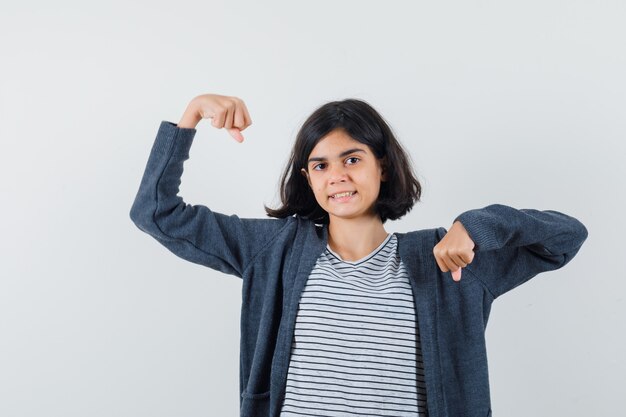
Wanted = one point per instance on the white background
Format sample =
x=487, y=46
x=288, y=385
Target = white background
x=515, y=102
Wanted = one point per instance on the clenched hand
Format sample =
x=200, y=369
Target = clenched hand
x=228, y=112
x=455, y=250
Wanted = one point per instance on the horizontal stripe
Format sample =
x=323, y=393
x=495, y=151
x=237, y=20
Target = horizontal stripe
x=356, y=348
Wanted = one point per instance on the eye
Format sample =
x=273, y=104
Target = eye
x=315, y=168
x=353, y=157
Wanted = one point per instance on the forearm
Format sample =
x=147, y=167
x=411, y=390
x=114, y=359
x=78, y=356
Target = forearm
x=162, y=174
x=514, y=245
x=497, y=225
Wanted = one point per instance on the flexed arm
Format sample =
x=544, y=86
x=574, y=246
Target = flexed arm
x=195, y=232
x=510, y=245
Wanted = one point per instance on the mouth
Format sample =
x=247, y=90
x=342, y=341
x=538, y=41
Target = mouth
x=342, y=196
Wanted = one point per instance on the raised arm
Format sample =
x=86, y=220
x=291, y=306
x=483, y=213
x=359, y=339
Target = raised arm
x=513, y=245
x=195, y=233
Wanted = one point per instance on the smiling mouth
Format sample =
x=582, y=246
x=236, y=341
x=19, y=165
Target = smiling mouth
x=342, y=196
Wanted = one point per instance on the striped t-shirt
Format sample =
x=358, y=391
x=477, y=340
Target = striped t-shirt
x=356, y=348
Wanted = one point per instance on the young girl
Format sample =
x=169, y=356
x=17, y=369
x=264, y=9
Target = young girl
x=339, y=317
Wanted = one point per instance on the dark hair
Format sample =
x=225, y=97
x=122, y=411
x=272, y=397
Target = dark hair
x=363, y=123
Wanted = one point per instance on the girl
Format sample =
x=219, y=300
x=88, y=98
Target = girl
x=339, y=317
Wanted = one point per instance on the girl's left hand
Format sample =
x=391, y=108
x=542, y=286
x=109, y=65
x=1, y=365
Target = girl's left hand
x=455, y=250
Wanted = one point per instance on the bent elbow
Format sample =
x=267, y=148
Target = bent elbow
x=140, y=215
x=583, y=233
x=579, y=237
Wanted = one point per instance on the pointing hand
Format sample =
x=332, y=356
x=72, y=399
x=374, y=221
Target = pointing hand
x=455, y=250
x=226, y=112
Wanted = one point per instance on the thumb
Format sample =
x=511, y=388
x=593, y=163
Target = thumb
x=236, y=133
x=456, y=275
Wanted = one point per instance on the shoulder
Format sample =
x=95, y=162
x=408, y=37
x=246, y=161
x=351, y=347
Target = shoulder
x=422, y=236
x=418, y=244
x=290, y=231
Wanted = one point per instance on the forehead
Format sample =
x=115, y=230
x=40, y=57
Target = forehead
x=335, y=142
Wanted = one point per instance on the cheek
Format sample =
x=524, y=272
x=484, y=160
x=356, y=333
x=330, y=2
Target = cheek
x=317, y=188
x=320, y=196
x=317, y=192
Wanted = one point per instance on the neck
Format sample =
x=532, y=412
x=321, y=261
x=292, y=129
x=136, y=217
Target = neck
x=354, y=239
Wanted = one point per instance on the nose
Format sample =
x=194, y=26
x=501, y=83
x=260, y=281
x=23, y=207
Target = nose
x=337, y=173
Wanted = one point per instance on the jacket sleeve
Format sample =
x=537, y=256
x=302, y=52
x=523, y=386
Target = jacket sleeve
x=195, y=233
x=514, y=245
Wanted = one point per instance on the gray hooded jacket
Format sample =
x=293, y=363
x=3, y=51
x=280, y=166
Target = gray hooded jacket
x=274, y=257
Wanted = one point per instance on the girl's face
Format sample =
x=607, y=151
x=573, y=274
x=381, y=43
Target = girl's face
x=339, y=164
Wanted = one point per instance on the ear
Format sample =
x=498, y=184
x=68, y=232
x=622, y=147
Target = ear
x=306, y=174
x=383, y=167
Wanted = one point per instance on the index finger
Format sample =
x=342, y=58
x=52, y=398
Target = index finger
x=236, y=134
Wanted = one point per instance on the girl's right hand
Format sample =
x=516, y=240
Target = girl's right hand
x=227, y=112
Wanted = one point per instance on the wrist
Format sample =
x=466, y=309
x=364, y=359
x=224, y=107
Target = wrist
x=191, y=117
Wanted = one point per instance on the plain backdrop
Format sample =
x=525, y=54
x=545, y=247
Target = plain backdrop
x=511, y=102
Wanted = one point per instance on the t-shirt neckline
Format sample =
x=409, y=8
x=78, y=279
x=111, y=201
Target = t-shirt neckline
x=366, y=257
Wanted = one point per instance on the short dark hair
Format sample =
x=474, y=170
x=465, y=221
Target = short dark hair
x=398, y=194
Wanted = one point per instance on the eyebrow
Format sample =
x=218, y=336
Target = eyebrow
x=342, y=154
